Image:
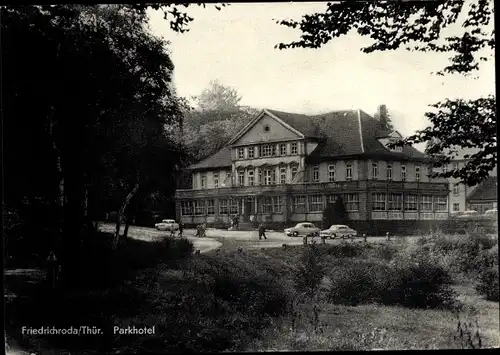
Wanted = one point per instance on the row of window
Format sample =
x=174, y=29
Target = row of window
x=268, y=150
x=266, y=205
x=315, y=203
x=375, y=172
x=268, y=176
x=395, y=202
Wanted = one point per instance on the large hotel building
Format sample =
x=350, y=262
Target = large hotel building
x=283, y=168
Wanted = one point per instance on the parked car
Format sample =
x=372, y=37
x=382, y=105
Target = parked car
x=469, y=215
x=338, y=231
x=167, y=225
x=305, y=229
x=493, y=213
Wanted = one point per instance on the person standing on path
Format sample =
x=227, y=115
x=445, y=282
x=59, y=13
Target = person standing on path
x=262, y=231
x=181, y=228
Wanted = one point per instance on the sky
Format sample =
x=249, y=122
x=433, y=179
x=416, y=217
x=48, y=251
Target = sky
x=236, y=47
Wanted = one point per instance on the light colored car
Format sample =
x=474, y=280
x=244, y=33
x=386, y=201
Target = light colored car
x=305, y=229
x=338, y=231
x=469, y=215
x=167, y=225
x=493, y=213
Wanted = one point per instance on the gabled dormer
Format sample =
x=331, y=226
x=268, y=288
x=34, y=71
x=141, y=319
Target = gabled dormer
x=393, y=137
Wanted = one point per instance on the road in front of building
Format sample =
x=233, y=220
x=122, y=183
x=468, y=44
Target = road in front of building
x=214, y=238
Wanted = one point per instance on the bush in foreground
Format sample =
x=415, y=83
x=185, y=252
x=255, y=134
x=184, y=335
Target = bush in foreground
x=402, y=283
x=488, y=284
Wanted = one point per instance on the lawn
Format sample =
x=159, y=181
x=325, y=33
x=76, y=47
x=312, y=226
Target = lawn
x=247, y=301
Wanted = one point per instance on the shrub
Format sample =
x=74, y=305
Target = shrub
x=401, y=283
x=422, y=285
x=357, y=282
x=345, y=250
x=488, y=284
x=310, y=271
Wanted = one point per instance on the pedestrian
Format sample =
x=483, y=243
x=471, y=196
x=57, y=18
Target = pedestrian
x=181, y=228
x=203, y=229
x=262, y=231
x=198, y=229
x=236, y=221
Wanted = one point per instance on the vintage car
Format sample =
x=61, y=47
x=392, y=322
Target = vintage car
x=167, y=225
x=304, y=229
x=338, y=231
x=493, y=213
x=468, y=215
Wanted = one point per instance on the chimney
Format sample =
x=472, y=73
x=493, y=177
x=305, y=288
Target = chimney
x=382, y=113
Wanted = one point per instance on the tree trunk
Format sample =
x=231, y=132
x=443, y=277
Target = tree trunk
x=127, y=224
x=120, y=213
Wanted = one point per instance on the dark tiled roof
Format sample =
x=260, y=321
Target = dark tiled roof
x=301, y=123
x=486, y=190
x=340, y=134
x=221, y=159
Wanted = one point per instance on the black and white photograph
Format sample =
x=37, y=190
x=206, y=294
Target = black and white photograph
x=249, y=177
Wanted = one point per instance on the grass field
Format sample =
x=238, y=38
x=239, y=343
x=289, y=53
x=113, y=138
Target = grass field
x=230, y=300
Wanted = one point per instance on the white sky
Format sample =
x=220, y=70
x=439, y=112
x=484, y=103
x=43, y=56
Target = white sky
x=236, y=47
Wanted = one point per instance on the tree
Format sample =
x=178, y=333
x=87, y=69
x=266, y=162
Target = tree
x=421, y=26
x=216, y=119
x=89, y=114
x=384, y=119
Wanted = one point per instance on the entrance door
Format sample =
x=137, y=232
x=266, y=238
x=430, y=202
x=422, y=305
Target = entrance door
x=247, y=210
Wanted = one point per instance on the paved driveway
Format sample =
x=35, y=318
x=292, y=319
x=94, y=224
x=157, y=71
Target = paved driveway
x=204, y=245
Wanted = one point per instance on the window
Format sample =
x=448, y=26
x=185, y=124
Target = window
x=265, y=150
x=282, y=176
x=195, y=181
x=315, y=176
x=223, y=207
x=417, y=173
x=233, y=207
x=294, y=148
x=315, y=203
x=268, y=176
x=203, y=181
x=283, y=149
x=403, y=173
x=251, y=178
x=299, y=204
x=440, y=203
x=456, y=207
x=277, y=204
x=251, y=152
x=456, y=189
x=455, y=166
x=186, y=208
x=241, y=177
x=444, y=168
x=273, y=150
x=332, y=198
x=374, y=171
x=331, y=173
x=199, y=208
x=426, y=203
x=266, y=205
x=379, y=202
x=389, y=172
x=210, y=207
x=294, y=171
x=348, y=171
x=241, y=153
x=216, y=180
x=411, y=202
x=351, y=202
x=266, y=128
x=395, y=202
